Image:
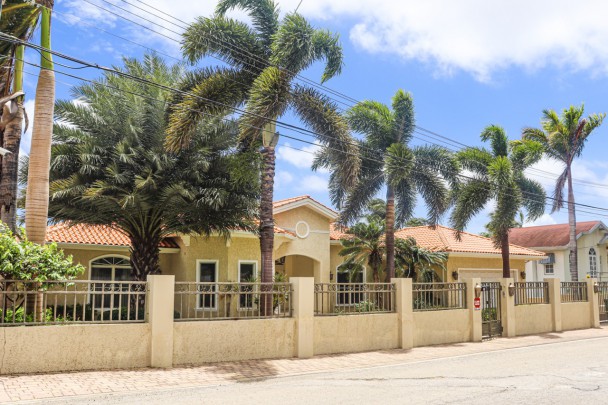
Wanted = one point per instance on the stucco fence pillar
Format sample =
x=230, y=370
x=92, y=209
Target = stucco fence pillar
x=474, y=313
x=303, y=312
x=507, y=307
x=594, y=303
x=555, y=300
x=159, y=313
x=405, y=311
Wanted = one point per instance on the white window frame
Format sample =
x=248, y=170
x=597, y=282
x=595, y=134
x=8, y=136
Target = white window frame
x=552, y=272
x=113, y=280
x=198, y=280
x=255, y=275
x=593, y=262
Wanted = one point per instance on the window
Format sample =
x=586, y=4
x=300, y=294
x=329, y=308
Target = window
x=106, y=270
x=549, y=269
x=207, y=273
x=247, y=274
x=592, y=263
x=349, y=293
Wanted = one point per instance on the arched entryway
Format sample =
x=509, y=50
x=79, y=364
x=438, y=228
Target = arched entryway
x=298, y=266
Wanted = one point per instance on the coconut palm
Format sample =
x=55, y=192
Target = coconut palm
x=19, y=19
x=110, y=166
x=563, y=139
x=388, y=160
x=37, y=201
x=498, y=178
x=264, y=59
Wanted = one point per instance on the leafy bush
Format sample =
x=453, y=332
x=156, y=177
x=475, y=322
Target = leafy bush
x=489, y=314
x=365, y=306
x=21, y=259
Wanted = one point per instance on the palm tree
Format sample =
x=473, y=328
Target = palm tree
x=19, y=19
x=110, y=166
x=37, y=200
x=563, y=139
x=498, y=176
x=364, y=247
x=388, y=160
x=264, y=60
x=413, y=261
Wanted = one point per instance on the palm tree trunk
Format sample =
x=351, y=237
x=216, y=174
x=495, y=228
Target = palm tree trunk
x=504, y=250
x=267, y=223
x=9, y=172
x=145, y=255
x=37, y=199
x=389, y=237
x=573, y=257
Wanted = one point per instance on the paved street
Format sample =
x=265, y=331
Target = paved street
x=569, y=367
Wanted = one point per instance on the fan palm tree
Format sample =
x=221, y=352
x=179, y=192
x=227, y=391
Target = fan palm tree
x=37, y=201
x=388, y=160
x=498, y=176
x=563, y=139
x=19, y=19
x=110, y=166
x=264, y=60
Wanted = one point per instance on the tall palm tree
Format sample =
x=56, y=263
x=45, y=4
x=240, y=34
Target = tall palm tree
x=19, y=19
x=37, y=200
x=264, y=60
x=498, y=177
x=388, y=160
x=563, y=139
x=110, y=166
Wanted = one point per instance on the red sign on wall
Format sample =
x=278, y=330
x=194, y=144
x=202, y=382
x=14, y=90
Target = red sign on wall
x=477, y=303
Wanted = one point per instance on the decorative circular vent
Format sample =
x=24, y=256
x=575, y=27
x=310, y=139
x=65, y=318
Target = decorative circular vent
x=302, y=229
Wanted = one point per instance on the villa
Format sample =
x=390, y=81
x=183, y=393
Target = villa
x=306, y=245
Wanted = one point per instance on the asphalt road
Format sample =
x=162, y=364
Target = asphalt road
x=574, y=372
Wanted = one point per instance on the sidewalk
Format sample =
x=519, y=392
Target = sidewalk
x=43, y=386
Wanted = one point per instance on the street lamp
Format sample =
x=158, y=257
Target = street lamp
x=511, y=290
x=477, y=290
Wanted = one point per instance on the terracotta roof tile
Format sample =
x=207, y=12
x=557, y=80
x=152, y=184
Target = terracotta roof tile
x=548, y=235
x=337, y=232
x=93, y=235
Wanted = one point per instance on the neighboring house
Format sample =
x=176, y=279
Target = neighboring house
x=306, y=245
x=592, y=242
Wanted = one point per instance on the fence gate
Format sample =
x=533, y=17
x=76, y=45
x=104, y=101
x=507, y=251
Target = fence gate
x=491, y=324
x=602, y=296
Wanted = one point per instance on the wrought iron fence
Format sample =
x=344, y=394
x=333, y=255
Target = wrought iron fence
x=354, y=298
x=71, y=301
x=602, y=296
x=439, y=296
x=218, y=301
x=531, y=293
x=573, y=291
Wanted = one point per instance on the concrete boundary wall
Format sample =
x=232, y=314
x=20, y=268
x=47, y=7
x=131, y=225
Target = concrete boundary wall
x=162, y=342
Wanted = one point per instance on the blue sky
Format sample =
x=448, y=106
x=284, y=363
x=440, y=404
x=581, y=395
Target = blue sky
x=468, y=64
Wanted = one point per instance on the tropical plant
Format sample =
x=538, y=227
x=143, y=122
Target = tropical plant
x=18, y=19
x=498, y=177
x=416, y=221
x=364, y=247
x=388, y=160
x=264, y=59
x=413, y=261
x=110, y=167
x=37, y=201
x=21, y=259
x=563, y=139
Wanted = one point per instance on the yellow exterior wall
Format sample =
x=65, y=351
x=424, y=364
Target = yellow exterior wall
x=533, y=319
x=441, y=327
x=576, y=315
x=43, y=349
x=355, y=333
x=463, y=265
x=214, y=341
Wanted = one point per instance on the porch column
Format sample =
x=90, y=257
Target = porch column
x=303, y=312
x=160, y=305
x=405, y=311
x=507, y=309
x=555, y=300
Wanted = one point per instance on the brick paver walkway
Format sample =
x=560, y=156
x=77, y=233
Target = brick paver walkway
x=40, y=386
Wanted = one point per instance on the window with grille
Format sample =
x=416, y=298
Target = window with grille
x=592, y=263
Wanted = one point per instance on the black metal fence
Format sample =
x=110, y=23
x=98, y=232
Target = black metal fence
x=439, y=296
x=531, y=293
x=574, y=291
x=354, y=298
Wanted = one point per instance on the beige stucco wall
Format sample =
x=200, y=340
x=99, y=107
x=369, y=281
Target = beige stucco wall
x=533, y=319
x=486, y=268
x=214, y=341
x=441, y=327
x=355, y=333
x=576, y=315
x=42, y=349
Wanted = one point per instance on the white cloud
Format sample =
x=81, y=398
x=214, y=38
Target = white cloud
x=310, y=183
x=282, y=179
x=545, y=219
x=301, y=157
